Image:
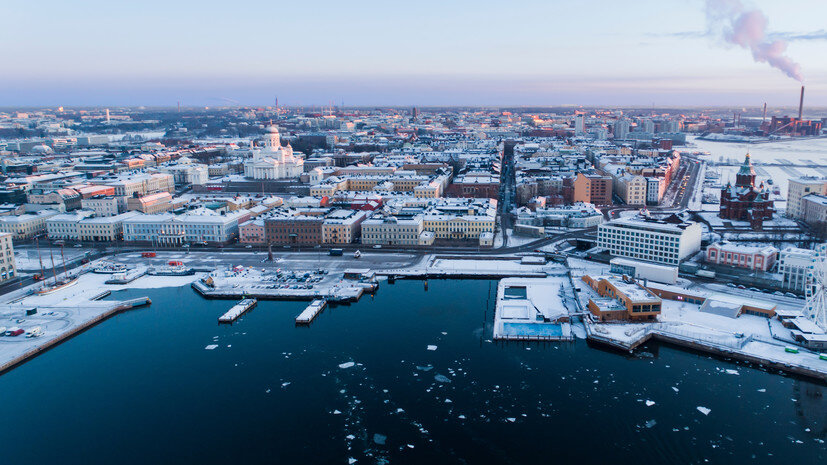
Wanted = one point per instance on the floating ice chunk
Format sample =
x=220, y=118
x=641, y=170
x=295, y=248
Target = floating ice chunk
x=762, y=390
x=651, y=423
x=346, y=365
x=285, y=384
x=267, y=391
x=732, y=372
x=448, y=401
x=211, y=347
x=350, y=437
x=704, y=410
x=410, y=446
x=461, y=417
x=442, y=378
x=674, y=389
x=425, y=368
x=351, y=461
x=399, y=410
x=379, y=439
x=229, y=345
x=511, y=419
x=431, y=347
x=650, y=403
x=337, y=412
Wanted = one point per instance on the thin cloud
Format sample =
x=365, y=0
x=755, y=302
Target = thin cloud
x=788, y=36
x=797, y=36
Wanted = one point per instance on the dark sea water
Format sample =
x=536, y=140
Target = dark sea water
x=141, y=388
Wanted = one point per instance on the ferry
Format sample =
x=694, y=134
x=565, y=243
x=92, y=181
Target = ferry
x=110, y=268
x=173, y=268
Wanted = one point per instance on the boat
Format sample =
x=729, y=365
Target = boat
x=58, y=285
x=109, y=268
x=171, y=270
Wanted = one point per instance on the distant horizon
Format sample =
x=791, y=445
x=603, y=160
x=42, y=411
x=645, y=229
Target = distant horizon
x=312, y=107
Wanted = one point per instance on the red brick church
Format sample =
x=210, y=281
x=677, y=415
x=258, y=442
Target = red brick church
x=744, y=201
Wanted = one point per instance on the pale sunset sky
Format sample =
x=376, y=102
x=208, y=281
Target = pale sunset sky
x=545, y=52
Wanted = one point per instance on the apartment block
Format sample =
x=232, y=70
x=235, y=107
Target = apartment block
x=665, y=241
x=798, y=188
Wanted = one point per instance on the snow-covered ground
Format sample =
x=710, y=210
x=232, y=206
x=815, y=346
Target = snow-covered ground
x=745, y=335
x=270, y=283
x=506, y=266
x=27, y=259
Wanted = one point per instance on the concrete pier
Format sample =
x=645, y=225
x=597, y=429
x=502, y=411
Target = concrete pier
x=237, y=310
x=310, y=313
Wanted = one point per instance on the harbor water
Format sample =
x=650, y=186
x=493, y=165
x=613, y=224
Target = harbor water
x=409, y=375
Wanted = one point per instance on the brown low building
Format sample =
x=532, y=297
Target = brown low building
x=622, y=299
x=288, y=230
x=475, y=187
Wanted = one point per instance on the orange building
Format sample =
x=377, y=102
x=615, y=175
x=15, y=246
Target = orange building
x=593, y=188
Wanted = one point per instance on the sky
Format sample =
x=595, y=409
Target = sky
x=426, y=52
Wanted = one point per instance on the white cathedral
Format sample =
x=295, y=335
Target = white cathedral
x=272, y=161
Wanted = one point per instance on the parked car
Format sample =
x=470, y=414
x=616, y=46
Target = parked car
x=790, y=294
x=778, y=293
x=741, y=286
x=731, y=284
x=755, y=289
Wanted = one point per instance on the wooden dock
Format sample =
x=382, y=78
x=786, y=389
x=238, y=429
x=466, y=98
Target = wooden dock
x=311, y=312
x=237, y=310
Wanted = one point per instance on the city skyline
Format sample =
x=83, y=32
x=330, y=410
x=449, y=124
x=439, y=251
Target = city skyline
x=469, y=53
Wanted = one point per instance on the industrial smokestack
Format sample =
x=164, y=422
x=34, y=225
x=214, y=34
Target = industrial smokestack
x=801, y=104
x=764, y=115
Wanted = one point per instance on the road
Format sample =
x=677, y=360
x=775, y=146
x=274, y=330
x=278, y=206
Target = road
x=508, y=191
x=682, y=187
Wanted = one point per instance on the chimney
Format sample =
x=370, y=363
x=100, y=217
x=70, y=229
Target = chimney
x=801, y=104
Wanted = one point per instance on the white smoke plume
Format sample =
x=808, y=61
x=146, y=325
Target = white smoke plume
x=747, y=28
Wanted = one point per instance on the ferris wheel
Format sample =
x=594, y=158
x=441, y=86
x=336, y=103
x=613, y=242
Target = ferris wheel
x=816, y=292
